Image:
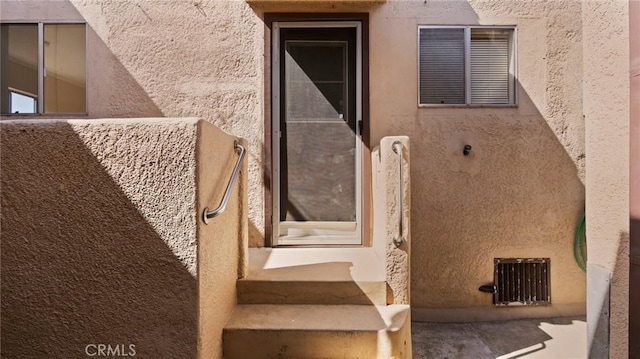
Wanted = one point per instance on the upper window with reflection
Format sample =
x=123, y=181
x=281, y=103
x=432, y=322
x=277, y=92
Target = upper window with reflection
x=43, y=68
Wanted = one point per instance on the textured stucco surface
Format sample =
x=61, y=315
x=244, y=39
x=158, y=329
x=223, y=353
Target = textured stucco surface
x=222, y=242
x=634, y=177
x=386, y=214
x=606, y=110
x=519, y=193
x=103, y=242
x=98, y=237
x=175, y=59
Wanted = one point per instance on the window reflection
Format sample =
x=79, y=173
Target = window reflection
x=19, y=75
x=64, y=68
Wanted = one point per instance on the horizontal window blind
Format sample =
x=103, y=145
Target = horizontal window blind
x=490, y=66
x=442, y=78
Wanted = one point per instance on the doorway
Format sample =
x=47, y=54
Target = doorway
x=317, y=132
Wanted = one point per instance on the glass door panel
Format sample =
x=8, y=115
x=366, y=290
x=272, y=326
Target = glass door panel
x=318, y=149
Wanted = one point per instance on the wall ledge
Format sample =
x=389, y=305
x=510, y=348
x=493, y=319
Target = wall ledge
x=97, y=121
x=316, y=2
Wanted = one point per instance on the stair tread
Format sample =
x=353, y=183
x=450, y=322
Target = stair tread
x=318, y=317
x=334, y=293
x=315, y=265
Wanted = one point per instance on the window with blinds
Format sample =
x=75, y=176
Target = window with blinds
x=466, y=66
x=442, y=66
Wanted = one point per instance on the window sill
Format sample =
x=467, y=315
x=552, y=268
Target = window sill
x=259, y=2
x=465, y=106
x=38, y=116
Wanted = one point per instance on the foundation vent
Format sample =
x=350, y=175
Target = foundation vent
x=522, y=281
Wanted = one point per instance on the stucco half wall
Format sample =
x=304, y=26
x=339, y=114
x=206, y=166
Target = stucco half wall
x=391, y=168
x=102, y=241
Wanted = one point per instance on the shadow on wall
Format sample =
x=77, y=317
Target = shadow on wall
x=605, y=289
x=80, y=264
x=517, y=194
x=634, y=283
x=256, y=238
x=113, y=91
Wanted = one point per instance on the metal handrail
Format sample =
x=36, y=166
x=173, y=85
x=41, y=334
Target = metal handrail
x=206, y=214
x=399, y=239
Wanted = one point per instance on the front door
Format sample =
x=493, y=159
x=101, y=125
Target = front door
x=317, y=112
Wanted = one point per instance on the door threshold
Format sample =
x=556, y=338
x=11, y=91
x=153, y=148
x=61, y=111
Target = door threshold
x=318, y=240
x=320, y=246
x=361, y=264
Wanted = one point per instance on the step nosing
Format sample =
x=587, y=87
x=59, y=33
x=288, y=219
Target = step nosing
x=317, y=318
x=328, y=330
x=248, y=280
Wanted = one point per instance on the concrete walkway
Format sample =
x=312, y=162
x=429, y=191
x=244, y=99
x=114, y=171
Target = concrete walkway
x=547, y=338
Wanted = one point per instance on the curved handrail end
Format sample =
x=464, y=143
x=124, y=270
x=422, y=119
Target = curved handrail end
x=206, y=213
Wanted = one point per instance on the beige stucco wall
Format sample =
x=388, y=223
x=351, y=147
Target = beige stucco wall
x=103, y=242
x=606, y=110
x=388, y=203
x=634, y=177
x=172, y=59
x=519, y=193
x=98, y=245
x=222, y=242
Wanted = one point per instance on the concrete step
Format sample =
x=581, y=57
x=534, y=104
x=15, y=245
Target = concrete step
x=317, y=331
x=313, y=276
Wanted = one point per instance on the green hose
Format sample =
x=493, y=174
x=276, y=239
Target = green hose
x=580, y=244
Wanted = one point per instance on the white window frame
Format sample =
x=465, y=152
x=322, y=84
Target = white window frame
x=12, y=90
x=513, y=65
x=40, y=61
